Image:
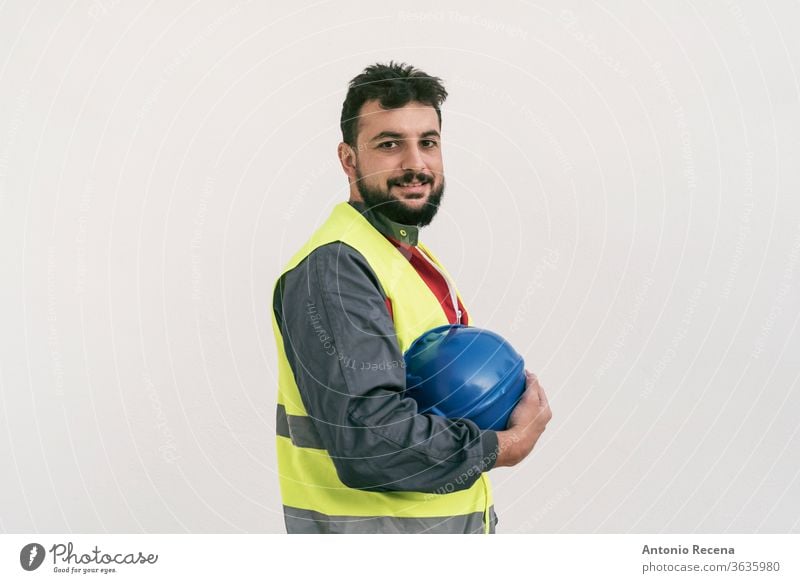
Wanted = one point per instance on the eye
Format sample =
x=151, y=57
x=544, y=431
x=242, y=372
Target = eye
x=387, y=145
x=430, y=143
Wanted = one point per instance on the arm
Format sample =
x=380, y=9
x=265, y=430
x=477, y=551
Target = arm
x=340, y=342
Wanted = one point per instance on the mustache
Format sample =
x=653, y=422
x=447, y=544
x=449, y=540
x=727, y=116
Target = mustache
x=411, y=176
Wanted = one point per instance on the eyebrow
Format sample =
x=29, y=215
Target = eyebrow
x=400, y=136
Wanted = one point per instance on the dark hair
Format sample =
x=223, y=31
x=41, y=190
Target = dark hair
x=394, y=85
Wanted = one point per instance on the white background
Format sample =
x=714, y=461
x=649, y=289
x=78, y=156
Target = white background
x=622, y=205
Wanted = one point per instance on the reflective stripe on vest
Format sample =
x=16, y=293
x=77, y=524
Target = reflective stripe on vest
x=310, y=522
x=316, y=499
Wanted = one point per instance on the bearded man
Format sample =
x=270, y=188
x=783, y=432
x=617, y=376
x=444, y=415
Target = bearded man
x=354, y=455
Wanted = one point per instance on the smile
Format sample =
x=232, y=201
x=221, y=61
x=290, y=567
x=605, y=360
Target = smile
x=412, y=187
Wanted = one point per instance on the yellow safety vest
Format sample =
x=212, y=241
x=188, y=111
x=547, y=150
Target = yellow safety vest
x=308, y=478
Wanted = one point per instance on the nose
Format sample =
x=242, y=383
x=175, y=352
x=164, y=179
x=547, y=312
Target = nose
x=412, y=158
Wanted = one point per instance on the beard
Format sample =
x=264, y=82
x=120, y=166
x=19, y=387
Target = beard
x=380, y=200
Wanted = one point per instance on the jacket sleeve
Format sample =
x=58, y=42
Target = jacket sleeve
x=341, y=345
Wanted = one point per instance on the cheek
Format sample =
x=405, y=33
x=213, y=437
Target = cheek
x=435, y=163
x=382, y=171
x=374, y=168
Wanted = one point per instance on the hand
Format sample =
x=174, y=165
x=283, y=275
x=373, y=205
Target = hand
x=526, y=423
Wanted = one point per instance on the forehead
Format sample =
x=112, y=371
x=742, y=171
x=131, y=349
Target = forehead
x=413, y=118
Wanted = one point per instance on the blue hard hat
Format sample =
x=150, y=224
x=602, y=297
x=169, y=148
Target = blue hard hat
x=463, y=372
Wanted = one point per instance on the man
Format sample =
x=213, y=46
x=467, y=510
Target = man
x=353, y=454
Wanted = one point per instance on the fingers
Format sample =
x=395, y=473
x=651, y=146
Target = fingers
x=535, y=387
x=542, y=396
x=531, y=393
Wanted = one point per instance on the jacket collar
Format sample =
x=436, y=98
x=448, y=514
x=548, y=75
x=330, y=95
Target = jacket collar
x=406, y=234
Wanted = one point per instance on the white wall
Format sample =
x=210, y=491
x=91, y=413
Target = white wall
x=622, y=204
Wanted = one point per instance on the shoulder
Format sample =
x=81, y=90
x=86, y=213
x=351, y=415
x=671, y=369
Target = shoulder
x=333, y=267
x=334, y=270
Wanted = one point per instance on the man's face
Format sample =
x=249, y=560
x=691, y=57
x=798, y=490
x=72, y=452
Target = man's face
x=399, y=169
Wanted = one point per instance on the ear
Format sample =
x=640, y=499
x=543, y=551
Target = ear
x=347, y=158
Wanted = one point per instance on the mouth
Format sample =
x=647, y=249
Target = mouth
x=412, y=187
